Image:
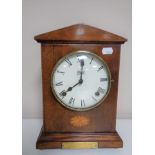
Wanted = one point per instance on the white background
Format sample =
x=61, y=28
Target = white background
x=41, y=16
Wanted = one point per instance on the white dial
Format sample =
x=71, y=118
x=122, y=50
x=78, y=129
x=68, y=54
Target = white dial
x=80, y=81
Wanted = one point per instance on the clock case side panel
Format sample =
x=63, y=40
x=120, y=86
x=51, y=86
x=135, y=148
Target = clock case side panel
x=103, y=117
x=47, y=66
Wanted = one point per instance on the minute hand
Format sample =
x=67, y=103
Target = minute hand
x=82, y=64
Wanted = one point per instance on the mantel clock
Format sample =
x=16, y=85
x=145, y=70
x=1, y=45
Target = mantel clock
x=80, y=70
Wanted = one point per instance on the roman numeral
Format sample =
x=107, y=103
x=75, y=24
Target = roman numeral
x=78, y=58
x=103, y=79
x=59, y=84
x=71, y=100
x=61, y=72
x=82, y=103
x=81, y=61
x=100, y=68
x=91, y=60
x=101, y=90
x=68, y=61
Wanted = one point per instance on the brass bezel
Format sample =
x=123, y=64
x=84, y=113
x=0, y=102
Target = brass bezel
x=69, y=55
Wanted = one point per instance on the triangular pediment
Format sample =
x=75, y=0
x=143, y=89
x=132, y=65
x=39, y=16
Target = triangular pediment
x=79, y=33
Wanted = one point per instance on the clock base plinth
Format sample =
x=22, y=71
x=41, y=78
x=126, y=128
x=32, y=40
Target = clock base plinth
x=100, y=140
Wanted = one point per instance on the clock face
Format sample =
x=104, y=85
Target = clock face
x=80, y=80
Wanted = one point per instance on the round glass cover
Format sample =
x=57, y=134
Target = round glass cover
x=81, y=80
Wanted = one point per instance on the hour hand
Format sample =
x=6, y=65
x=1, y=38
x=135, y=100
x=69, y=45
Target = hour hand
x=64, y=93
x=70, y=88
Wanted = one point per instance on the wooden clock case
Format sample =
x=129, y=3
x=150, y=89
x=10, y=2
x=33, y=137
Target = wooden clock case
x=61, y=125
